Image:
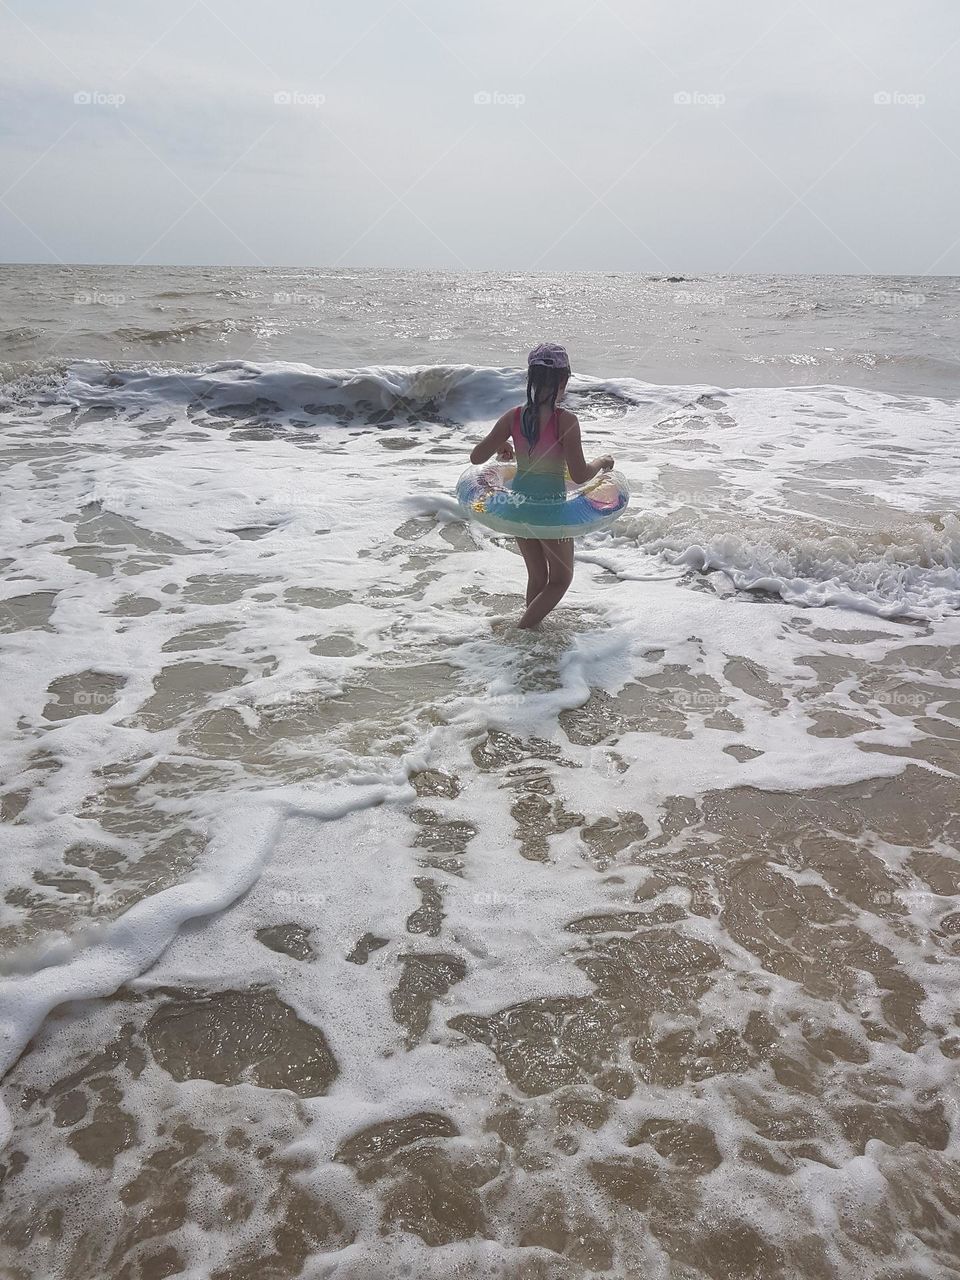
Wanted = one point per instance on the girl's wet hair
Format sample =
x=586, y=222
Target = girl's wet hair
x=543, y=384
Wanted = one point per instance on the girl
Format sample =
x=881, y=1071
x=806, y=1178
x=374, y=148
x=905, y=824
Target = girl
x=544, y=440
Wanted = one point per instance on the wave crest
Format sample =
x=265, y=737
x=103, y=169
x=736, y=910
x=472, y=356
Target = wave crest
x=240, y=389
x=910, y=570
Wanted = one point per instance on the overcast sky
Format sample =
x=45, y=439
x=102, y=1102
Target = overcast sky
x=666, y=136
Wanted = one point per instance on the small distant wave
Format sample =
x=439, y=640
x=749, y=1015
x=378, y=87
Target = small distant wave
x=799, y=308
x=174, y=294
x=19, y=336
x=938, y=371
x=177, y=333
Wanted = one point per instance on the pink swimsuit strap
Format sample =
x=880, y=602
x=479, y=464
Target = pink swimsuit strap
x=548, y=440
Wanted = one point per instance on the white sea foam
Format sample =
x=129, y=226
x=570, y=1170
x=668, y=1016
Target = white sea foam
x=251, y=596
x=822, y=495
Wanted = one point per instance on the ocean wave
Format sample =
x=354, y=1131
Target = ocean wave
x=177, y=333
x=30, y=381
x=797, y=308
x=909, y=570
x=937, y=368
x=752, y=442
x=237, y=389
x=18, y=336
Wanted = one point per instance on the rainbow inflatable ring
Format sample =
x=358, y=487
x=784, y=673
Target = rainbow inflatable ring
x=488, y=495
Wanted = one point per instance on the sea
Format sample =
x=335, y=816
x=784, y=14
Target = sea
x=348, y=932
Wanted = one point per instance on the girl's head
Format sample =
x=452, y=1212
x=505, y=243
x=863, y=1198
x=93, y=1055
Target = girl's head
x=548, y=370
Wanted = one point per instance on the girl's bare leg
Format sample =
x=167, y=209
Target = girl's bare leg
x=558, y=554
x=533, y=557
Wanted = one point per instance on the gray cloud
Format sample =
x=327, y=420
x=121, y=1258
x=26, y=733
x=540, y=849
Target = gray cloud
x=798, y=136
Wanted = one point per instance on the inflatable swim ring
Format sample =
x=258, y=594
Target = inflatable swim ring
x=489, y=494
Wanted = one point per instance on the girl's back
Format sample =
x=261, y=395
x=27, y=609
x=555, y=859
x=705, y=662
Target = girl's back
x=546, y=444
x=539, y=454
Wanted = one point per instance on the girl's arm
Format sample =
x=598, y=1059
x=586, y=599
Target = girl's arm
x=496, y=441
x=580, y=469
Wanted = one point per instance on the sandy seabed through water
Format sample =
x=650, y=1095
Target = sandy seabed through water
x=348, y=932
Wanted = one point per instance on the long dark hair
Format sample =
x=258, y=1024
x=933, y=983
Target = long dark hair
x=543, y=385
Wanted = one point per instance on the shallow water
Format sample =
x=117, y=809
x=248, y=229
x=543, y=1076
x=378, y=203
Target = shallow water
x=891, y=333
x=348, y=932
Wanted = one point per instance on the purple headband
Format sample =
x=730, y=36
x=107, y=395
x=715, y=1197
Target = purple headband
x=550, y=354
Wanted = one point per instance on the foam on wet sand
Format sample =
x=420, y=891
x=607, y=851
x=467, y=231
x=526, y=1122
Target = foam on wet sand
x=348, y=930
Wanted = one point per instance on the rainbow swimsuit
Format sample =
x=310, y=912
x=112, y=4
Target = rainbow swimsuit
x=535, y=497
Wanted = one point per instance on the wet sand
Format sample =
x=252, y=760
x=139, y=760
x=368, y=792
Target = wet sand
x=629, y=948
